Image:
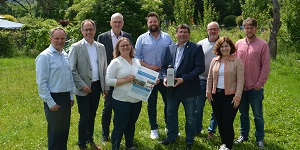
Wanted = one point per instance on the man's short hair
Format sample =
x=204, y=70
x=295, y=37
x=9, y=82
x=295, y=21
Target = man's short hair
x=87, y=20
x=250, y=22
x=57, y=28
x=115, y=15
x=153, y=14
x=183, y=26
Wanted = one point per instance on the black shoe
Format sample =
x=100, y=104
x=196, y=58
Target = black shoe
x=241, y=139
x=189, y=146
x=165, y=142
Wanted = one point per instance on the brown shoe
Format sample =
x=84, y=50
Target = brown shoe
x=210, y=135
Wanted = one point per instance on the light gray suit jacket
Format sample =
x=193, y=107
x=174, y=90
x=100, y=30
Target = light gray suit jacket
x=81, y=66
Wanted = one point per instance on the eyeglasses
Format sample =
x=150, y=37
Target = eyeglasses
x=213, y=29
x=90, y=29
x=126, y=45
x=117, y=22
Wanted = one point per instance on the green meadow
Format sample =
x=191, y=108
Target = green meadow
x=23, y=124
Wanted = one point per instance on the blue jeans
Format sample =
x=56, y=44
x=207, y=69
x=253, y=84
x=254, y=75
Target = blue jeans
x=189, y=104
x=87, y=107
x=125, y=117
x=254, y=98
x=200, y=103
x=106, y=113
x=58, y=122
x=152, y=102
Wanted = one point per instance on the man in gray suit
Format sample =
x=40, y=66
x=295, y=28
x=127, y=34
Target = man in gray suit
x=109, y=40
x=88, y=64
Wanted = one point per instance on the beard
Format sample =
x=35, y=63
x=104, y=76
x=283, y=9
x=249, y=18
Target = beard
x=153, y=29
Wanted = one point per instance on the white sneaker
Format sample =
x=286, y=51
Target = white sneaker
x=154, y=134
x=223, y=147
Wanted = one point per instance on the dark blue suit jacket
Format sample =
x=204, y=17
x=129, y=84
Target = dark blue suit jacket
x=191, y=65
x=105, y=39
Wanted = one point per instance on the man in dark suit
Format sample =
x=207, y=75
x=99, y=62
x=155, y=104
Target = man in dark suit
x=88, y=64
x=187, y=58
x=109, y=40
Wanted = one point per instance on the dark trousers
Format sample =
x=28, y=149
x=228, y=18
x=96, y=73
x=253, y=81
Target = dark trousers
x=106, y=113
x=152, y=102
x=58, y=122
x=225, y=115
x=125, y=117
x=87, y=108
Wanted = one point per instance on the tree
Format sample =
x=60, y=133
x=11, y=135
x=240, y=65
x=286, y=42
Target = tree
x=290, y=10
x=184, y=11
x=132, y=10
x=258, y=9
x=209, y=12
x=274, y=29
x=51, y=9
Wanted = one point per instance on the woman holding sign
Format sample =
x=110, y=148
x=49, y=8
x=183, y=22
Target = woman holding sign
x=120, y=74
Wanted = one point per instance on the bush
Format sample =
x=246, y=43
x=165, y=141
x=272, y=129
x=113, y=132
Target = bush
x=229, y=21
x=9, y=18
x=239, y=21
x=6, y=44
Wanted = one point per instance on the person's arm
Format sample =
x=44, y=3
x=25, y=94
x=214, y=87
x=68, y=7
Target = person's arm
x=239, y=83
x=111, y=75
x=209, y=83
x=42, y=76
x=265, y=68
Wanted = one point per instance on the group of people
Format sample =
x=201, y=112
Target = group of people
x=230, y=76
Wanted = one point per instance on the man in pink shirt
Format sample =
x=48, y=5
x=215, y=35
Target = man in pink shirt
x=254, y=52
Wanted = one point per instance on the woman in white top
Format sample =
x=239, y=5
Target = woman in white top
x=224, y=88
x=120, y=74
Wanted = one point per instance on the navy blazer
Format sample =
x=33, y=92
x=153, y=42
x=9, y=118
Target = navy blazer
x=191, y=65
x=105, y=39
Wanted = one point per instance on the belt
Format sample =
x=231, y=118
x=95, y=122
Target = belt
x=218, y=90
x=95, y=82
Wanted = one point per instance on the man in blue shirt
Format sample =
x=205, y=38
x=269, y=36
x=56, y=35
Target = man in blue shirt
x=55, y=87
x=150, y=49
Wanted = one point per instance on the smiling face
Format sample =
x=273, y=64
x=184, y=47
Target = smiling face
x=58, y=39
x=250, y=31
x=116, y=24
x=153, y=24
x=182, y=35
x=225, y=49
x=213, y=31
x=88, y=31
x=125, y=48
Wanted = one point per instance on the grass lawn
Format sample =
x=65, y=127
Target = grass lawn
x=23, y=124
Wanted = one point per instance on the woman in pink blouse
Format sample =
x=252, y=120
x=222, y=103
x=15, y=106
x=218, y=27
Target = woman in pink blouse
x=224, y=88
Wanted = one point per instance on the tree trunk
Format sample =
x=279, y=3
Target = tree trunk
x=276, y=23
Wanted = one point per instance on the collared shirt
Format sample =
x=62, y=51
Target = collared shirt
x=53, y=74
x=179, y=53
x=92, y=50
x=256, y=58
x=151, y=50
x=120, y=68
x=115, y=38
x=207, y=47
